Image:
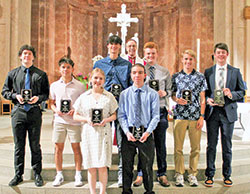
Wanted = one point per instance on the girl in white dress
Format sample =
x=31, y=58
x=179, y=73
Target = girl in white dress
x=96, y=137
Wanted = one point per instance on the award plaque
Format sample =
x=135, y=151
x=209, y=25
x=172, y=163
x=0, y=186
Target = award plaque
x=65, y=106
x=187, y=95
x=26, y=95
x=219, y=97
x=116, y=89
x=137, y=132
x=154, y=84
x=96, y=115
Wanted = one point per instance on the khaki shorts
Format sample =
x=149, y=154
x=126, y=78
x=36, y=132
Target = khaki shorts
x=61, y=130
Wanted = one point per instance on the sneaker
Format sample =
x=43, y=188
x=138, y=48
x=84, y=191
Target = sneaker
x=192, y=180
x=179, y=181
x=209, y=182
x=58, y=180
x=138, y=181
x=78, y=181
x=228, y=182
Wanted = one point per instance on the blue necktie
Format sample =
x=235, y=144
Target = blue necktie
x=27, y=86
x=152, y=72
x=138, y=111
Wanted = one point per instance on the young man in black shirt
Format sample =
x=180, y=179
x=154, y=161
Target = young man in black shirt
x=26, y=114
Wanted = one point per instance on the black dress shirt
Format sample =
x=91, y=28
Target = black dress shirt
x=15, y=82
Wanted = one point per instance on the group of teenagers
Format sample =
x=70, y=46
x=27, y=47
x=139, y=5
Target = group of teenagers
x=137, y=109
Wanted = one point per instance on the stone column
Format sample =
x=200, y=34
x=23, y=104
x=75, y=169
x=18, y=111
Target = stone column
x=15, y=28
x=247, y=53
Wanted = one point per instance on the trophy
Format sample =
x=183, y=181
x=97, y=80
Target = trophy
x=219, y=97
x=26, y=95
x=116, y=89
x=96, y=115
x=187, y=95
x=154, y=84
x=137, y=132
x=65, y=106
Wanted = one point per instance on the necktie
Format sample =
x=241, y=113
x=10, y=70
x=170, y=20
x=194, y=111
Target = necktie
x=221, y=78
x=27, y=86
x=152, y=72
x=138, y=111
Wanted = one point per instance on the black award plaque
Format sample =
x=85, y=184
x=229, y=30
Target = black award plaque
x=116, y=89
x=187, y=95
x=65, y=106
x=96, y=115
x=26, y=95
x=137, y=132
x=154, y=84
x=219, y=97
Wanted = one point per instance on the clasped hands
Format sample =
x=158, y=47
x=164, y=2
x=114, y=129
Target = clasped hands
x=142, y=139
x=33, y=100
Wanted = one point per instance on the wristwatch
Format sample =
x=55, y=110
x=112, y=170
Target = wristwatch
x=202, y=115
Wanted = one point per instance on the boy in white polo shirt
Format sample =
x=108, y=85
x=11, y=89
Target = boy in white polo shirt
x=63, y=94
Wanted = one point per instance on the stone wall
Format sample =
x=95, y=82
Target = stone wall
x=84, y=27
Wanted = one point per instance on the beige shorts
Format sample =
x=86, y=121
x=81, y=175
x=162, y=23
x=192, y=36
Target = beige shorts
x=60, y=132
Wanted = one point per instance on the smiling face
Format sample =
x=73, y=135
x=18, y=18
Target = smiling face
x=220, y=55
x=150, y=54
x=97, y=80
x=188, y=63
x=138, y=75
x=27, y=58
x=113, y=49
x=66, y=70
x=131, y=48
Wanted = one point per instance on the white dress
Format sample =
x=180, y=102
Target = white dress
x=96, y=141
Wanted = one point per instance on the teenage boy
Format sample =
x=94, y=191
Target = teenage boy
x=138, y=115
x=63, y=94
x=221, y=77
x=160, y=74
x=117, y=74
x=27, y=87
x=188, y=88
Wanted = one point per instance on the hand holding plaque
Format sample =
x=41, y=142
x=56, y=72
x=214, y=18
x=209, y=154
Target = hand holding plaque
x=219, y=97
x=116, y=89
x=187, y=95
x=65, y=106
x=154, y=84
x=96, y=116
x=138, y=132
x=26, y=95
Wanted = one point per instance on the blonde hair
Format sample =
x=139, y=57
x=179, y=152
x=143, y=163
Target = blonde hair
x=189, y=52
x=97, y=70
x=150, y=45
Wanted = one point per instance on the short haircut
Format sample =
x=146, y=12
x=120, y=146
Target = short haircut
x=222, y=46
x=189, y=52
x=97, y=70
x=139, y=65
x=66, y=60
x=114, y=39
x=27, y=47
x=150, y=45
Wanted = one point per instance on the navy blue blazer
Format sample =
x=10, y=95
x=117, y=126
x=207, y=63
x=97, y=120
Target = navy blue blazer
x=234, y=83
